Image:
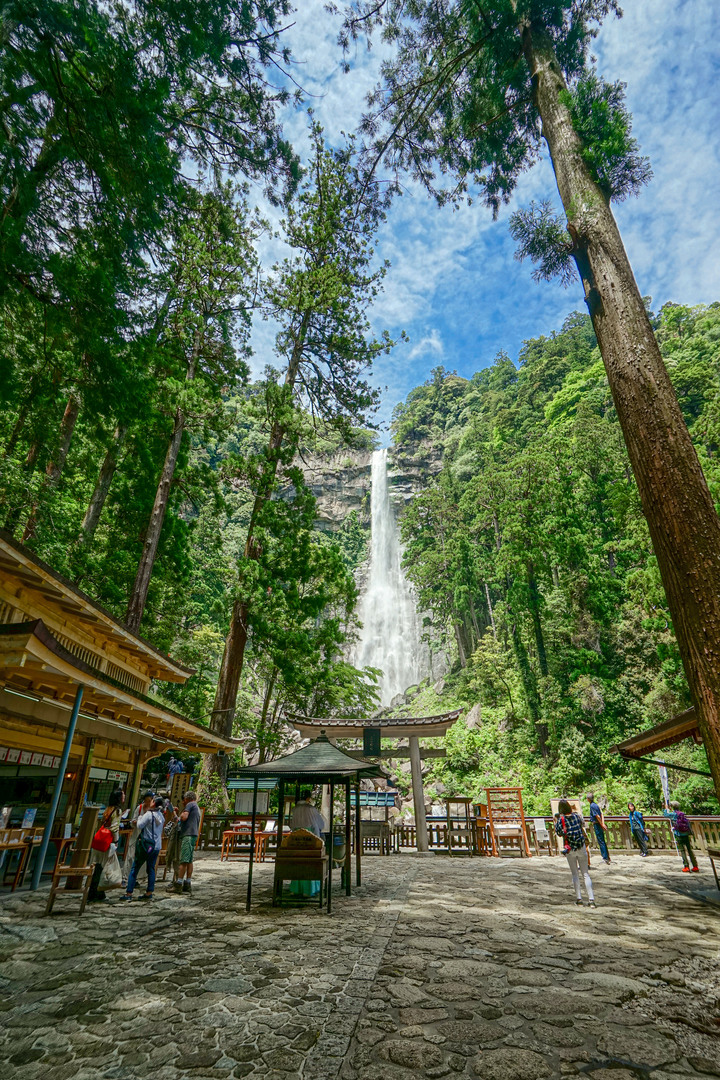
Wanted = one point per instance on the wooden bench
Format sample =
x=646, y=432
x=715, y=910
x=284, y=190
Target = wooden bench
x=713, y=854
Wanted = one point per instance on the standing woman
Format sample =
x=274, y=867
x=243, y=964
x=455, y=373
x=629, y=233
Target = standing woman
x=570, y=826
x=110, y=820
x=637, y=828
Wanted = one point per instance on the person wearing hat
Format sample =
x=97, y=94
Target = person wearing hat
x=188, y=829
x=151, y=823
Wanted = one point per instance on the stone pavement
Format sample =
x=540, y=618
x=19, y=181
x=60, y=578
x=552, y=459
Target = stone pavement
x=478, y=969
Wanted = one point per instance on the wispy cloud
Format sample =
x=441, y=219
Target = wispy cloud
x=454, y=285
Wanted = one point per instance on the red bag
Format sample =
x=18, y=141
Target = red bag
x=103, y=838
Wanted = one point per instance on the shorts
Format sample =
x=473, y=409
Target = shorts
x=187, y=847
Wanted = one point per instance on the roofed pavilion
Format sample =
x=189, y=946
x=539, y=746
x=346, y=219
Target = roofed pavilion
x=76, y=707
x=371, y=731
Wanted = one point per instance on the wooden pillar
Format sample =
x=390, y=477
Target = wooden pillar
x=421, y=836
x=78, y=794
x=358, y=838
x=132, y=796
x=348, y=839
x=37, y=871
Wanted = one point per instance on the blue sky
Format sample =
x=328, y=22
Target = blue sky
x=454, y=285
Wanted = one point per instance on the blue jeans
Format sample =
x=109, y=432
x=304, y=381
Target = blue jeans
x=600, y=837
x=141, y=857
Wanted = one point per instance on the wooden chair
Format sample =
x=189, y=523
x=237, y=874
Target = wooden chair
x=80, y=887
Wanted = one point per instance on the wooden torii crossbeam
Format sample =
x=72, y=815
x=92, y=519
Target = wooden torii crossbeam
x=412, y=728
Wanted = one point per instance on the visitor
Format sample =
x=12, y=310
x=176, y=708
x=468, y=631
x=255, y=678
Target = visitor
x=599, y=828
x=150, y=824
x=683, y=836
x=175, y=767
x=306, y=816
x=141, y=808
x=110, y=820
x=569, y=825
x=637, y=828
x=188, y=828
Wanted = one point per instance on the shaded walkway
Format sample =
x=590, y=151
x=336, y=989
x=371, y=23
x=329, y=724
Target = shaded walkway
x=438, y=967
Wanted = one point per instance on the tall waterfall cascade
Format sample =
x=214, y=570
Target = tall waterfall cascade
x=390, y=637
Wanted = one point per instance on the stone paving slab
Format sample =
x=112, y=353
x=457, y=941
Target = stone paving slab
x=461, y=968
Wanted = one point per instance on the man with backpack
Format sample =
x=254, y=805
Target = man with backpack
x=683, y=836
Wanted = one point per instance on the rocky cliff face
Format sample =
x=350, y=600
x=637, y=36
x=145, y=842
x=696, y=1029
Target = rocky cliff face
x=341, y=481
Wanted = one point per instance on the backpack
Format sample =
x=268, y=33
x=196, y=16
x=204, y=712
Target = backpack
x=103, y=838
x=682, y=825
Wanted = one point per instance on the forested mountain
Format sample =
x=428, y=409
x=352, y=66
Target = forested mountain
x=531, y=552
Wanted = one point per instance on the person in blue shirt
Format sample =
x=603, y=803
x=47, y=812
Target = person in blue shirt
x=637, y=828
x=598, y=824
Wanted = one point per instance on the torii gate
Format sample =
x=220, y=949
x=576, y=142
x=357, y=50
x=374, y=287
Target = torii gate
x=372, y=731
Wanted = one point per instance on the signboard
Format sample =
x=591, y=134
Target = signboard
x=29, y=818
x=36, y=759
x=25, y=756
x=113, y=774
x=371, y=741
x=48, y=760
x=98, y=774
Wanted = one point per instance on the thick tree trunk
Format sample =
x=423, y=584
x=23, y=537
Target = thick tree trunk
x=223, y=714
x=138, y=598
x=684, y=526
x=54, y=468
x=102, y=487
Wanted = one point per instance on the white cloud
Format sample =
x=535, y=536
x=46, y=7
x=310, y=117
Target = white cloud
x=454, y=284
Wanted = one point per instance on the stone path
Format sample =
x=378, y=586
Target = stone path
x=481, y=969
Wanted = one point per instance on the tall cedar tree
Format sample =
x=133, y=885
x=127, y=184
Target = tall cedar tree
x=207, y=286
x=319, y=295
x=473, y=89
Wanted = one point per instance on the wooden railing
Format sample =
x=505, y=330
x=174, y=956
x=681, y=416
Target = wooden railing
x=705, y=830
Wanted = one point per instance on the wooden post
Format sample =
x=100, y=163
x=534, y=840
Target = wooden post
x=252, y=845
x=131, y=800
x=81, y=783
x=421, y=836
x=332, y=838
x=348, y=838
x=358, y=838
x=37, y=871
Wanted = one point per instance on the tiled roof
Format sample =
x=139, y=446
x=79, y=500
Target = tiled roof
x=375, y=722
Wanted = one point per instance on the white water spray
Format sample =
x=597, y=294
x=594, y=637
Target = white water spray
x=390, y=637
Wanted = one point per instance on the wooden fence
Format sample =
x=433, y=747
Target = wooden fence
x=706, y=833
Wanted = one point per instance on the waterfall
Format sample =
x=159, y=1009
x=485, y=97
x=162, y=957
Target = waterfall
x=390, y=637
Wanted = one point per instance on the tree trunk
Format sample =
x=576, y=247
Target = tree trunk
x=537, y=624
x=223, y=714
x=684, y=526
x=55, y=465
x=490, y=610
x=102, y=487
x=138, y=598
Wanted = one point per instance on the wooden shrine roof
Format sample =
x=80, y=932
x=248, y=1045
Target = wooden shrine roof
x=680, y=727
x=41, y=677
x=319, y=763
x=25, y=577
x=401, y=727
